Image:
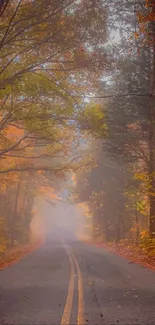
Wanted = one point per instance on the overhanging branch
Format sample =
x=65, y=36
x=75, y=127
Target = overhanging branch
x=114, y=96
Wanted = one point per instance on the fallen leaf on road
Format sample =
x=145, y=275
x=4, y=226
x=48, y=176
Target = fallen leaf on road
x=133, y=253
x=15, y=254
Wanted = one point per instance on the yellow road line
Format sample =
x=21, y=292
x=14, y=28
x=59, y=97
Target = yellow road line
x=69, y=301
x=80, y=316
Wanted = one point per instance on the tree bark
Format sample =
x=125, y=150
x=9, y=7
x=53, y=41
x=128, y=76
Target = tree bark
x=152, y=129
x=14, y=214
x=152, y=170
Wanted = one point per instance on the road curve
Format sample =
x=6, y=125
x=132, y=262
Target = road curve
x=68, y=282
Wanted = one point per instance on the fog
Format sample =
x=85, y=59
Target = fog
x=48, y=217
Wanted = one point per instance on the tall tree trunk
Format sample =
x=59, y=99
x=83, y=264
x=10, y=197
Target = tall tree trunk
x=28, y=205
x=152, y=170
x=15, y=213
x=137, y=225
x=152, y=127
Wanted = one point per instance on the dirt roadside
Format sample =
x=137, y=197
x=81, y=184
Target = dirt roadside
x=133, y=253
x=17, y=253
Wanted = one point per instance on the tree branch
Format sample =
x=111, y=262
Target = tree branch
x=114, y=96
x=39, y=168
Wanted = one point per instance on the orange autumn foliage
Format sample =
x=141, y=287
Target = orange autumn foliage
x=13, y=133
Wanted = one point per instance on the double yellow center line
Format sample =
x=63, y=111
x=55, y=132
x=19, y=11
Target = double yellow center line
x=69, y=300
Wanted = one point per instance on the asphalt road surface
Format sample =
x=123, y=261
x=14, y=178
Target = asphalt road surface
x=68, y=282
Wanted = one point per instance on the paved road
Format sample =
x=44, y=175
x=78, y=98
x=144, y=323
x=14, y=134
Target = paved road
x=68, y=282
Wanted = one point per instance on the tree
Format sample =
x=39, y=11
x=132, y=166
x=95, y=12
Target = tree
x=124, y=97
x=146, y=20
x=50, y=51
x=40, y=69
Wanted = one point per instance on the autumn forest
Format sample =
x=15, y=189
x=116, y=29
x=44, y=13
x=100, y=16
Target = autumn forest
x=77, y=97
